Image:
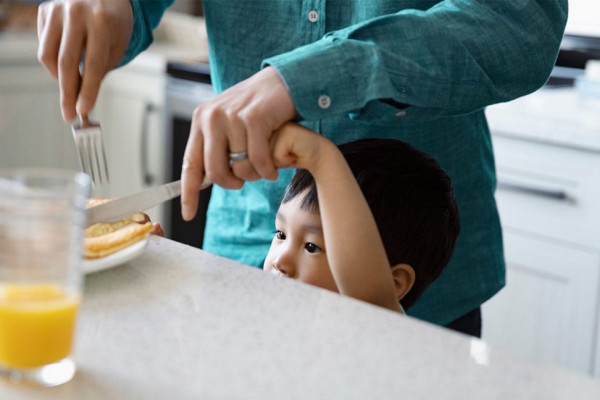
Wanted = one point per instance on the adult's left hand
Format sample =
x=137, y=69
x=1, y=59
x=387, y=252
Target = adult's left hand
x=239, y=120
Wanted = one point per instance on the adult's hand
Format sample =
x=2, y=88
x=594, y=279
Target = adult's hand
x=241, y=119
x=67, y=28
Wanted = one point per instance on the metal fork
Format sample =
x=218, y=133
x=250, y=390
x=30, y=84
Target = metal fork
x=90, y=149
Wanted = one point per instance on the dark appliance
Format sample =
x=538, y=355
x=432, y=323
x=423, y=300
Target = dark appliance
x=188, y=85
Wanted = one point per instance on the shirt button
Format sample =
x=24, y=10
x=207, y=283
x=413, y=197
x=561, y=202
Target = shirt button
x=313, y=16
x=324, y=101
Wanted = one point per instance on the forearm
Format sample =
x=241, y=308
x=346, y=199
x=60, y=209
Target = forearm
x=457, y=57
x=354, y=249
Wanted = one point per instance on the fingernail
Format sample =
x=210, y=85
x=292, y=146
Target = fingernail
x=68, y=118
x=187, y=213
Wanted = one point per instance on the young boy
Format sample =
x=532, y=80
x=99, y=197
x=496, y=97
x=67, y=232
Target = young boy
x=374, y=219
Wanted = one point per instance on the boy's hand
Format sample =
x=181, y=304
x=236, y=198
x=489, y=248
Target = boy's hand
x=157, y=230
x=294, y=146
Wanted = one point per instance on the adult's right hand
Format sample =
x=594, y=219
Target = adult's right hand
x=67, y=28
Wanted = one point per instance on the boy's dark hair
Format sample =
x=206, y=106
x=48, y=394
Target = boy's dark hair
x=412, y=201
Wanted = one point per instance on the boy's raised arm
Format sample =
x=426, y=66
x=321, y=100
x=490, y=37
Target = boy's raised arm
x=354, y=248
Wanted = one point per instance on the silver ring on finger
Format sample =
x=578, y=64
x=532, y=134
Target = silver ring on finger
x=241, y=156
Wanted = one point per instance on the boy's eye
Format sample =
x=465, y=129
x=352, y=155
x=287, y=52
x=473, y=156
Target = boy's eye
x=280, y=235
x=312, y=248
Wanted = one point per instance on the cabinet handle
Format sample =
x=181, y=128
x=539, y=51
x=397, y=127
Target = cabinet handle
x=147, y=176
x=555, y=194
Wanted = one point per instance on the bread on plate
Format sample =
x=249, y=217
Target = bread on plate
x=103, y=239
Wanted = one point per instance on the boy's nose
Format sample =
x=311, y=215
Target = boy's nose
x=284, y=262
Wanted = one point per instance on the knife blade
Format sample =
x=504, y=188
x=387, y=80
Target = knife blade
x=134, y=203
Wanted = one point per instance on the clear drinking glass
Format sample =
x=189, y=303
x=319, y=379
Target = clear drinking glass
x=42, y=217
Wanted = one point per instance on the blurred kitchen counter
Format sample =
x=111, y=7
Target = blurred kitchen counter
x=179, y=37
x=561, y=115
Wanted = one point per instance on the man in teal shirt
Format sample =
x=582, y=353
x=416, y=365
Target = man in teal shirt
x=421, y=71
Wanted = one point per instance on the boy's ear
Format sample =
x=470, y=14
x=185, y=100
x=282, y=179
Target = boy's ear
x=404, y=278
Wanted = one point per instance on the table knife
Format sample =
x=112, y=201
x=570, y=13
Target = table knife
x=126, y=206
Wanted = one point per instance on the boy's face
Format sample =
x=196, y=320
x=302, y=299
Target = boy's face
x=298, y=248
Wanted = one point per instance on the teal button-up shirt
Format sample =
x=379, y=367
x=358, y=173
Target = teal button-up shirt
x=421, y=71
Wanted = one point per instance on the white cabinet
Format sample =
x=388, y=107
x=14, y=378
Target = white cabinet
x=548, y=203
x=130, y=110
x=32, y=132
x=548, y=308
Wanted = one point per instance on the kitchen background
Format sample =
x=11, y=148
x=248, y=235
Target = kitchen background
x=547, y=149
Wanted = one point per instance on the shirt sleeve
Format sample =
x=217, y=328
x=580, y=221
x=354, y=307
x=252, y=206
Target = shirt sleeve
x=457, y=57
x=146, y=15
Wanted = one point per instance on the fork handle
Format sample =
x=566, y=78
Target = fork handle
x=84, y=122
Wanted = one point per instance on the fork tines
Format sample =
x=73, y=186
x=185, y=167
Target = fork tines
x=90, y=150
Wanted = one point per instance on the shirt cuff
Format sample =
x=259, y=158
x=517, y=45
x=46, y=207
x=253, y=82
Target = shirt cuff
x=331, y=76
x=305, y=73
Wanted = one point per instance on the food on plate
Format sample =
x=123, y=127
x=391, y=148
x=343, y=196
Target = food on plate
x=103, y=239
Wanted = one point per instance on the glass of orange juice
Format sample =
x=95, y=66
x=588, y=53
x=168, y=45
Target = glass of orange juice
x=42, y=217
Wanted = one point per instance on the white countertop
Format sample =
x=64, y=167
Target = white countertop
x=559, y=116
x=179, y=323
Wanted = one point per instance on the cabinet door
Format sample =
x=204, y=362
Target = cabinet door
x=32, y=132
x=548, y=309
x=130, y=112
x=549, y=191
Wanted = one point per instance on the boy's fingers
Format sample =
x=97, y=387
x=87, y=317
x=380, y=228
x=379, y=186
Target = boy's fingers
x=158, y=230
x=282, y=149
x=259, y=150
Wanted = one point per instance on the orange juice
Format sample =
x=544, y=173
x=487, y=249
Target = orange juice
x=37, y=322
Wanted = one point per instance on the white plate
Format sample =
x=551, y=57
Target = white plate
x=118, y=258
